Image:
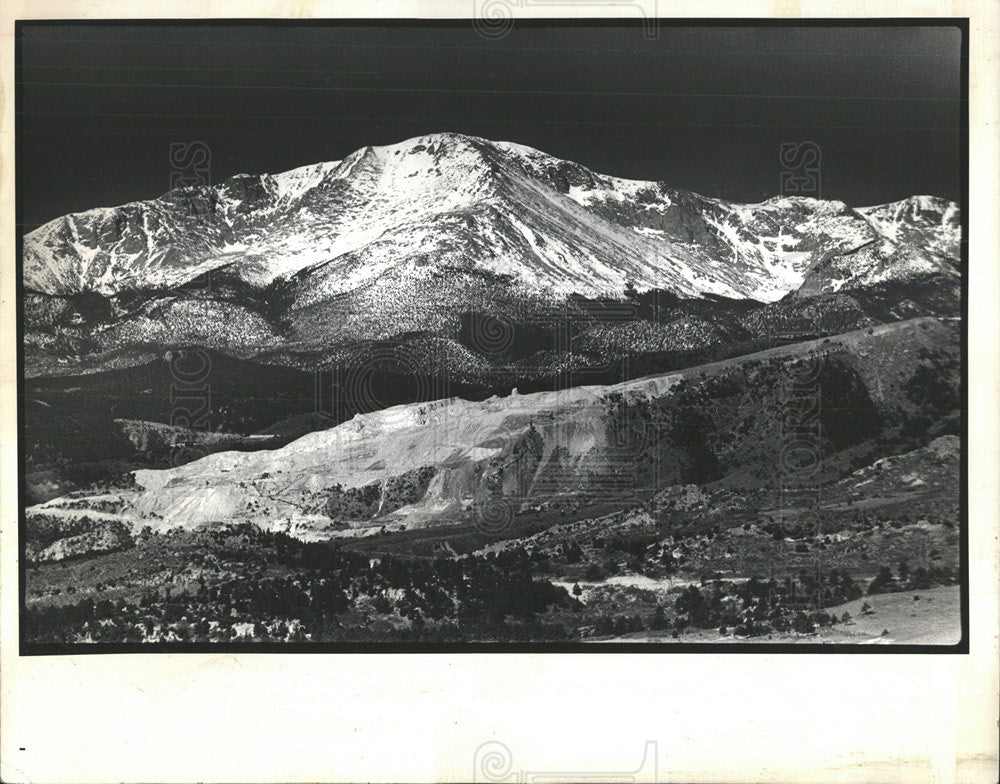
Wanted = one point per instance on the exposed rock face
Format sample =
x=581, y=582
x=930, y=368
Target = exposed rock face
x=108, y=538
x=61, y=533
x=453, y=460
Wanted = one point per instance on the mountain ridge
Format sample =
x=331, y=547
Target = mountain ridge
x=443, y=200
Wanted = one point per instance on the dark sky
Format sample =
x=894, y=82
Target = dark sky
x=700, y=108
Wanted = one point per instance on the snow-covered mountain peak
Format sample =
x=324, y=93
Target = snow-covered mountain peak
x=444, y=201
x=928, y=221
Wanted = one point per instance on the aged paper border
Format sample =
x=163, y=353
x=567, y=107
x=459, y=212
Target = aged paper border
x=746, y=718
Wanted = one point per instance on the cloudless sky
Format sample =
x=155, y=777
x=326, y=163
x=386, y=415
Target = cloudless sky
x=700, y=108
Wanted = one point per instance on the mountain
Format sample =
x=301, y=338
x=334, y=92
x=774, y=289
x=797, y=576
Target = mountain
x=405, y=236
x=442, y=266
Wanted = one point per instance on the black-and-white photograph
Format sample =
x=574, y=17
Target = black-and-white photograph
x=492, y=334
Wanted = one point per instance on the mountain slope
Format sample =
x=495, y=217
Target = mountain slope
x=451, y=460
x=450, y=202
